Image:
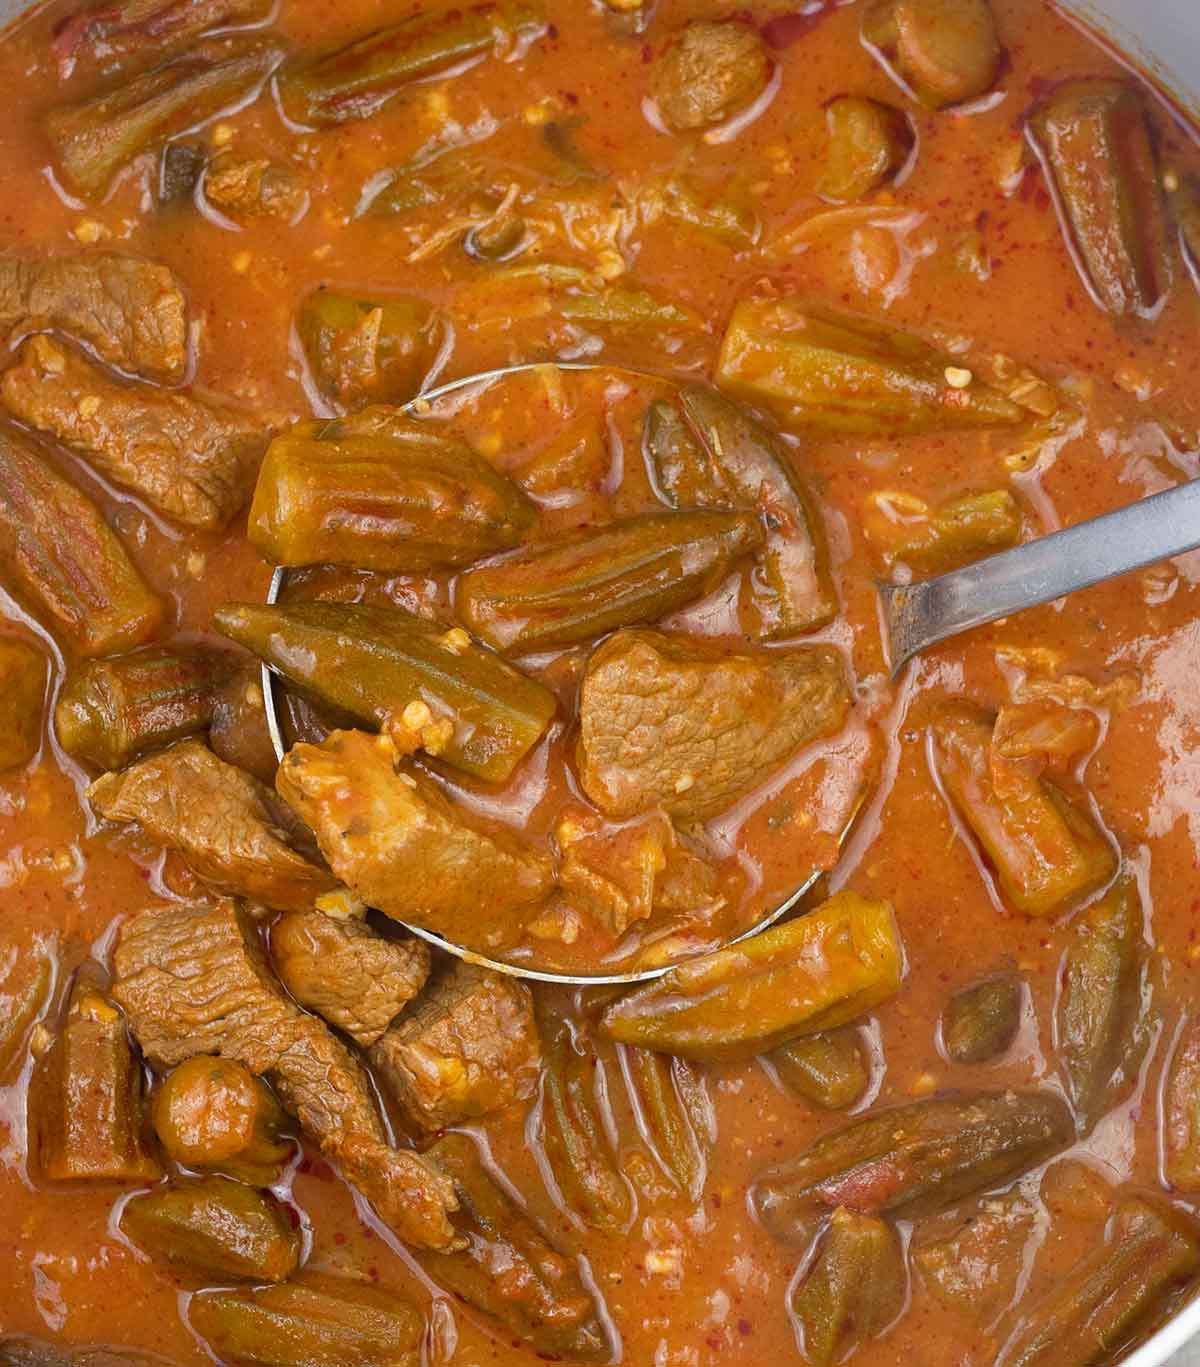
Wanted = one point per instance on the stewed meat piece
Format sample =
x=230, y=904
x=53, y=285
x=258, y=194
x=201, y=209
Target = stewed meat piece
x=129, y=311
x=343, y=969
x=673, y=722
x=192, y=459
x=231, y=829
x=194, y=979
x=468, y=1046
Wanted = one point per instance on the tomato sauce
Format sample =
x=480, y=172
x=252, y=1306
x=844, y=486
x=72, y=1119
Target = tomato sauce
x=687, y=1285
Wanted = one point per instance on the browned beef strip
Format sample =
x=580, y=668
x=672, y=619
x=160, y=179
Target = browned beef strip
x=673, y=722
x=468, y=1046
x=130, y=311
x=344, y=970
x=193, y=460
x=194, y=979
x=232, y=831
x=395, y=839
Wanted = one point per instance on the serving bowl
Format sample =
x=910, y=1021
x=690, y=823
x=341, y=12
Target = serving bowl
x=1162, y=39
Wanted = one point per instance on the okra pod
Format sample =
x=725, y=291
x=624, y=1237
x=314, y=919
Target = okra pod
x=582, y=586
x=947, y=51
x=131, y=28
x=215, y=1228
x=112, y=711
x=825, y=372
x=540, y=1297
x=1181, y=1113
x=981, y=1022
x=92, y=141
x=816, y=972
x=382, y=492
x=1117, y=1294
x=576, y=1145
x=1093, y=140
x=367, y=351
x=88, y=1089
x=358, y=80
x=213, y=1114
x=1047, y=852
x=314, y=1320
x=57, y=551
x=1098, y=1016
x=791, y=590
x=372, y=663
x=912, y=1160
x=676, y=1115
x=933, y=540
x=827, y=1070
x=869, y=142
x=852, y=1290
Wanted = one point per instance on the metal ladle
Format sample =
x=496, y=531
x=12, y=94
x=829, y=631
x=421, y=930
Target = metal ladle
x=270, y=687
x=914, y=616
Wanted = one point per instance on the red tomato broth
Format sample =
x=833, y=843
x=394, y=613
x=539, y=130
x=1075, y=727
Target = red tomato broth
x=64, y=1273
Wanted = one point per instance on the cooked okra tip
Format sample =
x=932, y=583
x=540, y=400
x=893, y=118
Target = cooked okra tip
x=538, y=390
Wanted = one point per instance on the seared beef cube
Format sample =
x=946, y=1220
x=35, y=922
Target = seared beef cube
x=690, y=727
x=194, y=979
x=129, y=311
x=22, y=701
x=620, y=874
x=344, y=970
x=394, y=838
x=468, y=1046
x=232, y=831
x=195, y=461
x=86, y=1101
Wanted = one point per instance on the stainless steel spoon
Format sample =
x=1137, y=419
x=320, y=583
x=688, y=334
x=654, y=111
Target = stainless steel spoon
x=916, y=616
x=271, y=684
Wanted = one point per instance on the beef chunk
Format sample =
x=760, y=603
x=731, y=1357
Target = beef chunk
x=193, y=460
x=709, y=73
x=194, y=980
x=689, y=726
x=232, y=831
x=129, y=311
x=401, y=845
x=468, y=1046
x=254, y=187
x=622, y=874
x=341, y=968
x=87, y=1094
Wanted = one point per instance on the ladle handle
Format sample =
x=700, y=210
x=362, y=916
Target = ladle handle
x=1155, y=528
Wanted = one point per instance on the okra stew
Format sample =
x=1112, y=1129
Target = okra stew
x=579, y=669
